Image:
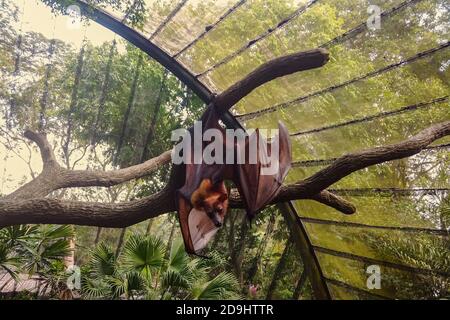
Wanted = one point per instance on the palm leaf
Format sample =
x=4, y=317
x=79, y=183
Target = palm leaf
x=143, y=255
x=7, y=262
x=95, y=289
x=52, y=232
x=223, y=286
x=103, y=260
x=178, y=259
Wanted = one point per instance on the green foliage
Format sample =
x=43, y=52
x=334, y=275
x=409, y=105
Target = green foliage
x=8, y=263
x=103, y=261
x=142, y=271
x=37, y=250
x=143, y=256
x=426, y=253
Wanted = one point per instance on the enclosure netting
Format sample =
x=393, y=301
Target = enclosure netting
x=380, y=87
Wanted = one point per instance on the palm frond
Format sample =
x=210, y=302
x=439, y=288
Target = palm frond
x=223, y=286
x=95, y=289
x=8, y=262
x=178, y=259
x=175, y=279
x=52, y=232
x=143, y=255
x=103, y=260
x=56, y=250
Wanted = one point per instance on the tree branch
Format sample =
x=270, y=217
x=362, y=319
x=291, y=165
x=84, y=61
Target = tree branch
x=89, y=178
x=269, y=71
x=350, y=163
x=47, y=155
x=289, y=192
x=54, y=176
x=330, y=199
x=124, y=214
x=113, y=215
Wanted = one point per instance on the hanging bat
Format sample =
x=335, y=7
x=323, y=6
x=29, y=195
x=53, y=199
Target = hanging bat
x=203, y=199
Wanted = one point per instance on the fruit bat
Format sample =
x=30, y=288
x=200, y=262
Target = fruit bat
x=202, y=201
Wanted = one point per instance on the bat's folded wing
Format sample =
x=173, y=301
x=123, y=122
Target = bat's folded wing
x=202, y=229
x=196, y=227
x=259, y=179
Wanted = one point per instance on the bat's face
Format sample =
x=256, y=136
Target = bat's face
x=215, y=207
x=213, y=200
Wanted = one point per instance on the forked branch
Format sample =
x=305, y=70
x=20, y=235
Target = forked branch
x=125, y=214
x=54, y=176
x=269, y=71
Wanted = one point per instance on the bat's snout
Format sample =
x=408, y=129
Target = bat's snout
x=216, y=218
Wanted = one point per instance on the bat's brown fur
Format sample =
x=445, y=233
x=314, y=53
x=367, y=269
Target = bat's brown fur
x=212, y=199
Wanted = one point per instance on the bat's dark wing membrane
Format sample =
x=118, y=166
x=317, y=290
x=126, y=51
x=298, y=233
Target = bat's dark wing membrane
x=260, y=181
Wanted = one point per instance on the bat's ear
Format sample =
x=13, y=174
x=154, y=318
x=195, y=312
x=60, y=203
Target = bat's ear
x=206, y=185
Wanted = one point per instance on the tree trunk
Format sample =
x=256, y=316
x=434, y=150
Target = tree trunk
x=151, y=129
x=170, y=240
x=12, y=101
x=131, y=100
x=120, y=242
x=299, y=287
x=279, y=270
x=149, y=227
x=69, y=261
x=45, y=93
x=97, y=236
x=237, y=253
x=18, y=58
x=261, y=249
x=73, y=105
x=104, y=93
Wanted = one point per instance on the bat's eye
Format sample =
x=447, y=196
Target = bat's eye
x=219, y=210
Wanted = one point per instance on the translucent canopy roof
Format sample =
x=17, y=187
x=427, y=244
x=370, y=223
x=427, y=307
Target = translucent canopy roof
x=382, y=85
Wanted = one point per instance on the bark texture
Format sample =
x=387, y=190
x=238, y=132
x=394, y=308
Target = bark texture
x=30, y=203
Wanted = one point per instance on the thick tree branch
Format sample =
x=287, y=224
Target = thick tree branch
x=55, y=211
x=89, y=178
x=117, y=215
x=289, y=193
x=124, y=214
x=350, y=163
x=269, y=71
x=330, y=199
x=54, y=176
x=47, y=154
